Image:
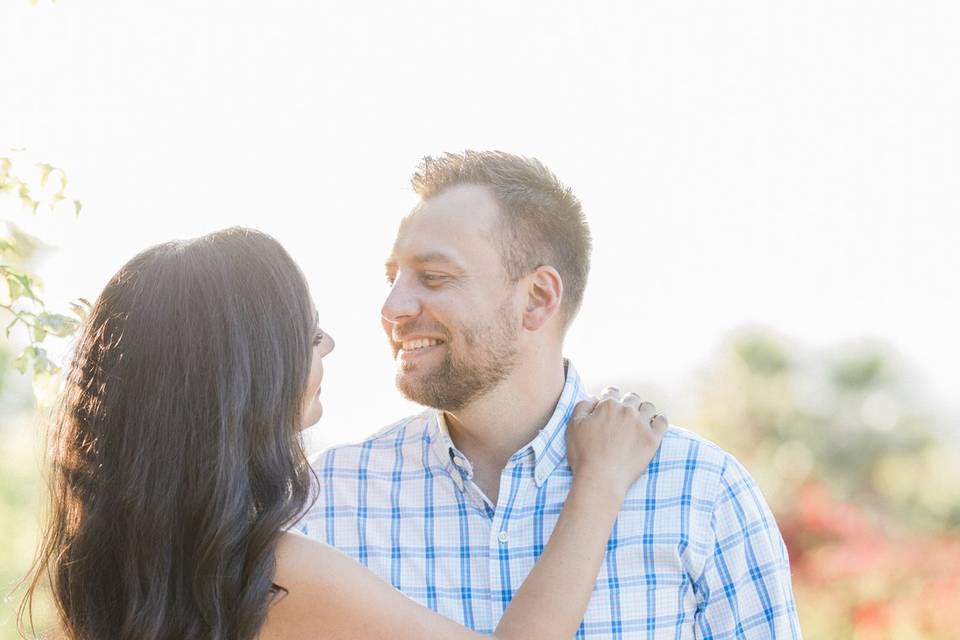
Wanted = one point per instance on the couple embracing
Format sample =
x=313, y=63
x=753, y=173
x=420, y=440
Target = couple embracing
x=516, y=505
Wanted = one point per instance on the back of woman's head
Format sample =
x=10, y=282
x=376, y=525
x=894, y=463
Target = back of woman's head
x=177, y=457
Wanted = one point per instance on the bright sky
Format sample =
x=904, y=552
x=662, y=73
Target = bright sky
x=793, y=165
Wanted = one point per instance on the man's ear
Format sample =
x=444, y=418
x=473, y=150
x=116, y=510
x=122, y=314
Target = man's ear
x=544, y=293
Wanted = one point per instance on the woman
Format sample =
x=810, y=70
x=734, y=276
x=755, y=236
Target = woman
x=178, y=464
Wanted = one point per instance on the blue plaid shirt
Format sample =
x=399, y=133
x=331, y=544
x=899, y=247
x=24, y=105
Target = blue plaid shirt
x=694, y=553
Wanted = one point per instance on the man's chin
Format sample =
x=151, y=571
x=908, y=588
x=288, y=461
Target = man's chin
x=412, y=392
x=414, y=385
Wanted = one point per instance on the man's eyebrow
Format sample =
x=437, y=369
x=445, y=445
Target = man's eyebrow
x=435, y=256
x=429, y=257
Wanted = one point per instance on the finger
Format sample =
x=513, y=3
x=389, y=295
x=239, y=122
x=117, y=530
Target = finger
x=659, y=423
x=610, y=393
x=646, y=410
x=631, y=399
x=583, y=409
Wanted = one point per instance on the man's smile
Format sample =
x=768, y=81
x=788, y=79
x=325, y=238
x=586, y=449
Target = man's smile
x=417, y=347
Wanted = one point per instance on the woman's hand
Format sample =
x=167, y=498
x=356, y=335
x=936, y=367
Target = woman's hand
x=611, y=441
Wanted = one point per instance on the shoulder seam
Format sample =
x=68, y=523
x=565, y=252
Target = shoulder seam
x=316, y=457
x=388, y=430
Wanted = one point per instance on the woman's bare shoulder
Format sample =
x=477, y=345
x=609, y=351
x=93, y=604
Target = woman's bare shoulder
x=307, y=564
x=326, y=594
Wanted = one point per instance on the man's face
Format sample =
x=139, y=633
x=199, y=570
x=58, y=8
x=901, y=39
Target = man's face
x=452, y=314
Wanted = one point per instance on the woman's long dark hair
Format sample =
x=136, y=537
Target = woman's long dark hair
x=177, y=458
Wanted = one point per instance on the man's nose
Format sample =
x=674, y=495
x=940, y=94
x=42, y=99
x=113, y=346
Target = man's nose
x=401, y=303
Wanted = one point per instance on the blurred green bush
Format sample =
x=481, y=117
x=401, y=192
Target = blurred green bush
x=864, y=481
x=20, y=491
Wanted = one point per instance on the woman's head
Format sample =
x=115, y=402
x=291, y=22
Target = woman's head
x=177, y=457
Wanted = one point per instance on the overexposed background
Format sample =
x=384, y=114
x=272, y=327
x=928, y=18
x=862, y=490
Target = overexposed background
x=792, y=165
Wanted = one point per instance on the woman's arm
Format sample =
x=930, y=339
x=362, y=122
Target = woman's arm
x=328, y=595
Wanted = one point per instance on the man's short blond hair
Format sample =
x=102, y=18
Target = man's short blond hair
x=542, y=222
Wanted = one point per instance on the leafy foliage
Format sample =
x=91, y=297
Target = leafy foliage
x=52, y=182
x=36, y=186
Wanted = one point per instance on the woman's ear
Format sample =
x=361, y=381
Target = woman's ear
x=544, y=293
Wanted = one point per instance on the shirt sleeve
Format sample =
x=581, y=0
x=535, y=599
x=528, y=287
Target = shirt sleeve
x=744, y=591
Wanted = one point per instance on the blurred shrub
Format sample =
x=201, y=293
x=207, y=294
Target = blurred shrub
x=866, y=491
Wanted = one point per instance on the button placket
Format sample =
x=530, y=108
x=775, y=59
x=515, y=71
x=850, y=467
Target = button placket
x=509, y=530
x=458, y=480
x=462, y=473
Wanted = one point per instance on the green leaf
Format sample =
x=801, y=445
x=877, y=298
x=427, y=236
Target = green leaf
x=77, y=205
x=23, y=243
x=81, y=310
x=45, y=171
x=9, y=183
x=40, y=362
x=13, y=323
x=57, y=324
x=20, y=363
x=30, y=203
x=39, y=333
x=14, y=286
x=27, y=283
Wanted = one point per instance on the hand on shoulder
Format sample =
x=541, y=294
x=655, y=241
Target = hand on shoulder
x=612, y=440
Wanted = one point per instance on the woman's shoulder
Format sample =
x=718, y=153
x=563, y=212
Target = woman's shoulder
x=301, y=559
x=307, y=579
x=322, y=593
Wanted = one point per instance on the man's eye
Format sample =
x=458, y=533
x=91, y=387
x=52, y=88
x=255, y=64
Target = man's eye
x=433, y=278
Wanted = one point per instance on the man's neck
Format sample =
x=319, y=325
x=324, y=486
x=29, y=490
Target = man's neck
x=494, y=427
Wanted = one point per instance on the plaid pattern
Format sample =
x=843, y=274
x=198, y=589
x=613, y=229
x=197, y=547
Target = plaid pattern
x=695, y=551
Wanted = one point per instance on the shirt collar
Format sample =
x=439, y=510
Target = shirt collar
x=549, y=447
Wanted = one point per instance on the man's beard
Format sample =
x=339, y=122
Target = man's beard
x=465, y=375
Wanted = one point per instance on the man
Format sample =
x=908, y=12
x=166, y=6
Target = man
x=454, y=505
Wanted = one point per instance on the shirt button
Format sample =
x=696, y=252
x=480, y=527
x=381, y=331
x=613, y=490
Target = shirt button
x=503, y=537
x=457, y=460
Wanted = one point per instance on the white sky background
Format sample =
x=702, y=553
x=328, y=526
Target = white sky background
x=793, y=165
